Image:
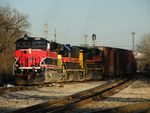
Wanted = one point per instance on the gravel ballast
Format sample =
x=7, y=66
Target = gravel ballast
x=21, y=99
x=137, y=92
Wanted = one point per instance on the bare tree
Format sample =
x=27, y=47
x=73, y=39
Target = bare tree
x=12, y=26
x=144, y=48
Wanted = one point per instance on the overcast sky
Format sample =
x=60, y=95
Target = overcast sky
x=111, y=20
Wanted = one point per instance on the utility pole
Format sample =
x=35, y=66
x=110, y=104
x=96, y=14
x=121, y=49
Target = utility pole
x=94, y=39
x=46, y=30
x=55, y=35
x=133, y=62
x=133, y=33
x=85, y=37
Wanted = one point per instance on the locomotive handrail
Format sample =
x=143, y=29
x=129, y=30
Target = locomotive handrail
x=16, y=59
x=42, y=60
x=29, y=67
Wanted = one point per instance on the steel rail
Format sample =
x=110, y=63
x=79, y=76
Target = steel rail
x=143, y=107
x=66, y=103
x=4, y=90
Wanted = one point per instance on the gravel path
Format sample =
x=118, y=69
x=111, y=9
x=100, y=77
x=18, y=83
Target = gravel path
x=16, y=100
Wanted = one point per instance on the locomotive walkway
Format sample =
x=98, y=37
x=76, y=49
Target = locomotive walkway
x=78, y=99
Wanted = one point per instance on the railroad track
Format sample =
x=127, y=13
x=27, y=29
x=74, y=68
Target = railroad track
x=75, y=100
x=26, y=87
x=18, y=88
x=143, y=107
x=15, y=88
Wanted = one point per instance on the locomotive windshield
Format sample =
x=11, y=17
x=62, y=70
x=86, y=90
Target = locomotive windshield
x=31, y=43
x=39, y=44
x=23, y=45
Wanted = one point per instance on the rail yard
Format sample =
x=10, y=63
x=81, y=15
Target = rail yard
x=93, y=96
x=62, y=56
x=50, y=77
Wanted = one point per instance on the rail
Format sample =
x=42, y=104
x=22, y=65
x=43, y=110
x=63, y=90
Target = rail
x=18, y=88
x=143, y=107
x=66, y=103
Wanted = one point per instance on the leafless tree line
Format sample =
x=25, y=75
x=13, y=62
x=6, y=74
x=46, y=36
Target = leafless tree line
x=12, y=25
x=144, y=48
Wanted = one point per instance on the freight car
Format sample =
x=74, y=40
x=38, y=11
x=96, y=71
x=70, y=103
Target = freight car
x=40, y=61
x=118, y=62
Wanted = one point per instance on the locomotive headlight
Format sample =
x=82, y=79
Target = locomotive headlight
x=30, y=50
x=59, y=57
x=35, y=70
x=22, y=70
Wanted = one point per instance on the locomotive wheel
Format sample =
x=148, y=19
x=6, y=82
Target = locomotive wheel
x=71, y=76
x=89, y=76
x=52, y=76
x=86, y=76
x=61, y=78
x=65, y=76
x=81, y=77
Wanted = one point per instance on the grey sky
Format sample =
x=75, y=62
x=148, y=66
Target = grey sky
x=111, y=20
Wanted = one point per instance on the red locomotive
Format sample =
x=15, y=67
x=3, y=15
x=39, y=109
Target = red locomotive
x=39, y=61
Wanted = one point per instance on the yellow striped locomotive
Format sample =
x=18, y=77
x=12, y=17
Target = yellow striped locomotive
x=38, y=60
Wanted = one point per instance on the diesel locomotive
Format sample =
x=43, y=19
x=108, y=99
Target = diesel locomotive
x=38, y=61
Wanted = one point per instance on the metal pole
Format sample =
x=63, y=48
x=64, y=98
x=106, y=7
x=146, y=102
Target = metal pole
x=133, y=33
x=55, y=35
x=46, y=30
x=94, y=39
x=85, y=37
